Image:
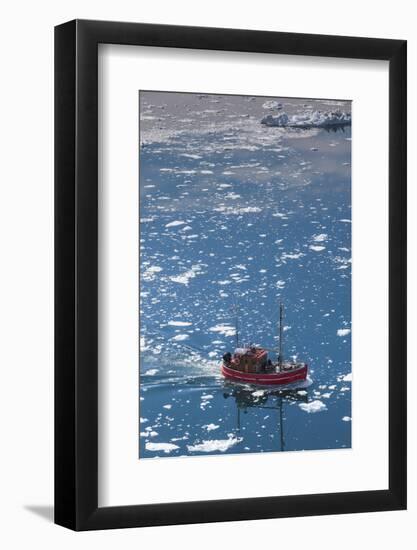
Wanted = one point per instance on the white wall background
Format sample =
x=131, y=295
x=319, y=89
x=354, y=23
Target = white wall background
x=26, y=270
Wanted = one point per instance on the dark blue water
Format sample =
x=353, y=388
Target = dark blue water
x=233, y=212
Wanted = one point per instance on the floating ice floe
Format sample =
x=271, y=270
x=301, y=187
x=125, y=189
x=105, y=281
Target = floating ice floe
x=347, y=377
x=291, y=256
x=188, y=155
x=320, y=238
x=346, y=419
x=309, y=119
x=175, y=223
x=184, y=278
x=210, y=446
x=180, y=337
x=313, y=406
x=179, y=324
x=211, y=427
x=150, y=273
x=224, y=329
x=271, y=104
x=151, y=372
x=142, y=344
x=149, y=432
x=231, y=210
x=205, y=401
x=343, y=331
x=165, y=447
x=317, y=248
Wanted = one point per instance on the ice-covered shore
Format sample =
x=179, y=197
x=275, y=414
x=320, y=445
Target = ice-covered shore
x=309, y=119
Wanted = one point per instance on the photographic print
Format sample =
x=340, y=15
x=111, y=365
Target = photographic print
x=244, y=274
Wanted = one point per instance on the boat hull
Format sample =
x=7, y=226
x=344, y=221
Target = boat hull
x=264, y=379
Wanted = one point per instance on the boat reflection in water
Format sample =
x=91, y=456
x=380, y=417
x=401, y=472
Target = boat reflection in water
x=247, y=398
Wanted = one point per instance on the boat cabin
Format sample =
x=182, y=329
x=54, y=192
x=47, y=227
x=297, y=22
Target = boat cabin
x=248, y=359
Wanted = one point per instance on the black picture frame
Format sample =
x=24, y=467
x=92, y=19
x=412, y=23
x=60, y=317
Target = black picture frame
x=76, y=272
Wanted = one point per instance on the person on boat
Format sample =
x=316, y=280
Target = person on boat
x=227, y=358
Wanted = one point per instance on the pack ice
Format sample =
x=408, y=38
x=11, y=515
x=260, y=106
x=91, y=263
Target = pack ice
x=309, y=119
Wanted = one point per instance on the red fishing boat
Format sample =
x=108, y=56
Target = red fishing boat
x=250, y=364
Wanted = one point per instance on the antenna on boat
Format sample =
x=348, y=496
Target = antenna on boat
x=236, y=310
x=281, y=315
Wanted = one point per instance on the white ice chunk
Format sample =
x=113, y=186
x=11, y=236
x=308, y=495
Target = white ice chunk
x=291, y=256
x=210, y=446
x=271, y=104
x=180, y=337
x=151, y=372
x=184, y=278
x=224, y=329
x=343, y=331
x=165, y=447
x=313, y=406
x=320, y=238
x=309, y=119
x=211, y=427
x=175, y=223
x=150, y=272
x=231, y=210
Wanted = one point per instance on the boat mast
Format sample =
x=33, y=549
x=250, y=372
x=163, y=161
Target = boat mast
x=281, y=314
x=236, y=324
